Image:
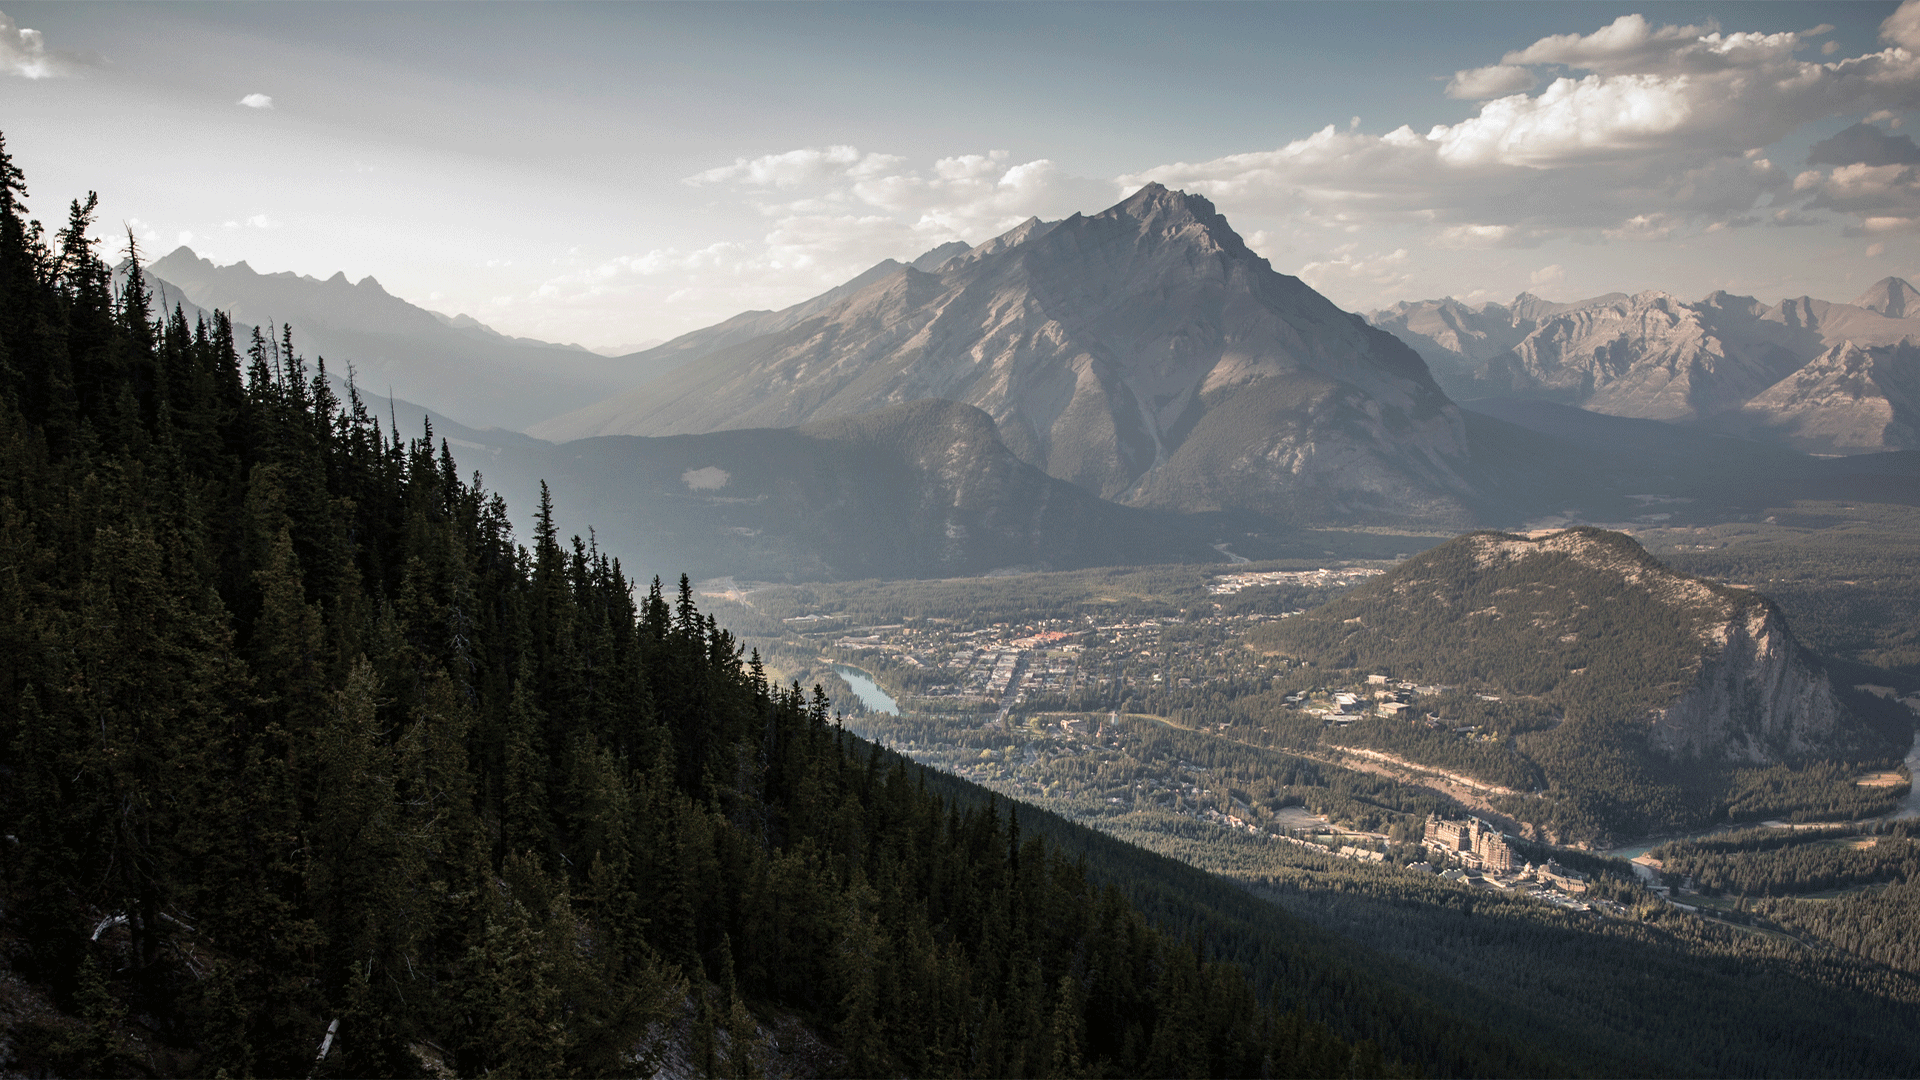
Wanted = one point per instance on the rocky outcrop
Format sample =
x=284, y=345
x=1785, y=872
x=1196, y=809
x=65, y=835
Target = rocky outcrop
x=1758, y=699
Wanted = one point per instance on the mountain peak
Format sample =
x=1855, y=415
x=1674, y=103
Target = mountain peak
x=932, y=259
x=1156, y=196
x=1169, y=209
x=1892, y=297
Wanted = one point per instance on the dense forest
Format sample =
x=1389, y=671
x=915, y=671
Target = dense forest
x=313, y=769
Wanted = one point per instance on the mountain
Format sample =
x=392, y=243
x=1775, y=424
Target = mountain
x=1891, y=297
x=466, y=369
x=1143, y=353
x=923, y=489
x=1654, y=356
x=1847, y=400
x=1610, y=695
x=1589, y=626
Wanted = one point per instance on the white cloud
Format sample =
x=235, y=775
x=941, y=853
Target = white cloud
x=832, y=213
x=1547, y=275
x=1645, y=227
x=256, y=101
x=1488, y=236
x=796, y=167
x=1629, y=43
x=1385, y=272
x=1498, y=80
x=1902, y=28
x=24, y=53
x=1657, y=131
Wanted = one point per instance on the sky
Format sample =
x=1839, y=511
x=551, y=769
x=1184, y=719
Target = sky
x=616, y=173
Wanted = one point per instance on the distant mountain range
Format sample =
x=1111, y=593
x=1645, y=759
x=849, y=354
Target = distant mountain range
x=1143, y=353
x=457, y=363
x=1137, y=367
x=1810, y=374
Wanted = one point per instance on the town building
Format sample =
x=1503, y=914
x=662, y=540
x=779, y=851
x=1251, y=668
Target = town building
x=1472, y=842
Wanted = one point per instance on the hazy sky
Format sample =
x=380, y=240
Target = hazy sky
x=611, y=173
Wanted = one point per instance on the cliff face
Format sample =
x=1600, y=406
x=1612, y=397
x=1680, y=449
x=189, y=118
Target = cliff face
x=1756, y=701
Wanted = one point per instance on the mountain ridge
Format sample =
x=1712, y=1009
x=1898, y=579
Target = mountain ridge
x=1724, y=361
x=468, y=370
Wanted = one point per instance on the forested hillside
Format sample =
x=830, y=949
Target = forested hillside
x=313, y=769
x=1614, y=696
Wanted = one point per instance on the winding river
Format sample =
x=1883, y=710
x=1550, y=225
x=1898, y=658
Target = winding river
x=868, y=691
x=1909, y=808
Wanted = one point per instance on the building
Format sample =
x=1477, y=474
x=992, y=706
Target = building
x=1572, y=881
x=1472, y=842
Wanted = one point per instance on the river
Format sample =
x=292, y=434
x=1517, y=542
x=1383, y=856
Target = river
x=868, y=691
x=1909, y=808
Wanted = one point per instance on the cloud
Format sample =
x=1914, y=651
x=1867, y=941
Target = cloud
x=24, y=53
x=832, y=212
x=1489, y=236
x=1902, y=28
x=1629, y=43
x=256, y=101
x=797, y=167
x=1864, y=144
x=1547, y=275
x=1386, y=271
x=1862, y=189
x=1498, y=80
x=1649, y=131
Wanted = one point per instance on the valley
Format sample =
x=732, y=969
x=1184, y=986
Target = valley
x=1136, y=702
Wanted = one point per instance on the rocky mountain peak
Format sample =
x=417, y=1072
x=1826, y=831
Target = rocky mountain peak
x=1164, y=211
x=1892, y=297
x=931, y=261
x=1141, y=352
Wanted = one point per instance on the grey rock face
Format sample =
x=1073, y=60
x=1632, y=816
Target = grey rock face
x=1847, y=400
x=1728, y=361
x=1137, y=353
x=1756, y=701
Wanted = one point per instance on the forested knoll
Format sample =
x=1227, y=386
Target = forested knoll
x=1588, y=648
x=302, y=744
